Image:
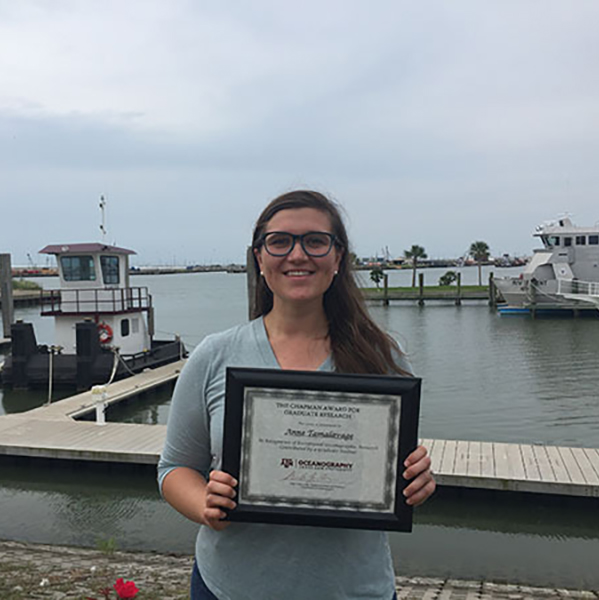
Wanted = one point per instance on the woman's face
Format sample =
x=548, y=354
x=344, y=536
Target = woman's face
x=298, y=277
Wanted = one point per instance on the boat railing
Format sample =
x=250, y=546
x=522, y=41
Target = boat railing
x=81, y=302
x=577, y=287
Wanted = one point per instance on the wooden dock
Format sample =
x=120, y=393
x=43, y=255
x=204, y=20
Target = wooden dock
x=79, y=405
x=426, y=295
x=52, y=432
x=81, y=440
x=423, y=294
x=516, y=467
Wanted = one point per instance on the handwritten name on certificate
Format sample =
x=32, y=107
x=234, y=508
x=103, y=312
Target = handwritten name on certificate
x=319, y=449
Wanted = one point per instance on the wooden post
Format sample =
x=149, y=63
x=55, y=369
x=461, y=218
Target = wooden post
x=151, y=321
x=421, y=289
x=458, y=298
x=385, y=289
x=533, y=299
x=251, y=276
x=8, y=311
x=492, y=292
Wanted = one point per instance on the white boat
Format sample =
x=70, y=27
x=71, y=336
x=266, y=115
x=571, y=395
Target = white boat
x=562, y=276
x=103, y=327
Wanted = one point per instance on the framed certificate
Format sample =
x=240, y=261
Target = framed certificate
x=324, y=449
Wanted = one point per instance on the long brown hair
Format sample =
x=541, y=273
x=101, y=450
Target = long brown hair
x=358, y=345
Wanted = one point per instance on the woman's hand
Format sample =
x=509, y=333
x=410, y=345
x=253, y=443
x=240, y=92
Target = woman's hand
x=220, y=491
x=418, y=469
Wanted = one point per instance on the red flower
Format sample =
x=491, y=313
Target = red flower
x=125, y=589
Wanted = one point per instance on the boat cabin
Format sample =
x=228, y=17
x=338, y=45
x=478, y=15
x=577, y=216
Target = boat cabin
x=94, y=285
x=569, y=251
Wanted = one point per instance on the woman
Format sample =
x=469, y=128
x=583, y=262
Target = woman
x=308, y=316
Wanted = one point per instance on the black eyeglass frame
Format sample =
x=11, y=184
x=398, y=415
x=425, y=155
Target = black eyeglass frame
x=294, y=237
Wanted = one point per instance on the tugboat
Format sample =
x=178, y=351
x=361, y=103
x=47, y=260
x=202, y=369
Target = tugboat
x=562, y=277
x=103, y=327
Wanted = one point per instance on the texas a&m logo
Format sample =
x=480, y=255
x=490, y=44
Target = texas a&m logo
x=287, y=462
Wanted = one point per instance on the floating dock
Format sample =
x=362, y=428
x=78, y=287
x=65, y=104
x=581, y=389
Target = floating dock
x=373, y=295
x=516, y=467
x=52, y=432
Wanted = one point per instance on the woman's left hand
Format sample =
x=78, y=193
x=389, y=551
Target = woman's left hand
x=418, y=469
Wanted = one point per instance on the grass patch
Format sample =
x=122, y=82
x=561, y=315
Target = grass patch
x=107, y=546
x=20, y=284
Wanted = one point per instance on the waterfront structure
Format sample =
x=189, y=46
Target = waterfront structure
x=561, y=276
x=103, y=326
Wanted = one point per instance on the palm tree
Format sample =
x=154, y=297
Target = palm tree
x=377, y=275
x=414, y=254
x=480, y=253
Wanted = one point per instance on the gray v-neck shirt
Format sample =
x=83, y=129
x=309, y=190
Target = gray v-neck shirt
x=250, y=561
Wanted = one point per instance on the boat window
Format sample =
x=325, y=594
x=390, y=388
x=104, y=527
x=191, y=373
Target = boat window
x=594, y=240
x=78, y=268
x=553, y=240
x=124, y=327
x=567, y=241
x=110, y=269
x=581, y=240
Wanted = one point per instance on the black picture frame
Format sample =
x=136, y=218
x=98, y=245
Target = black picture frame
x=329, y=393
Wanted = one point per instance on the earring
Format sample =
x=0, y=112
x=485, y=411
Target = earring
x=336, y=273
x=261, y=273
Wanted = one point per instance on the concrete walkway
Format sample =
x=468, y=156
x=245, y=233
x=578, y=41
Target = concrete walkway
x=31, y=571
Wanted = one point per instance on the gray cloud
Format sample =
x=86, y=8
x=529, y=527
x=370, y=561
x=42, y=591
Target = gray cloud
x=433, y=123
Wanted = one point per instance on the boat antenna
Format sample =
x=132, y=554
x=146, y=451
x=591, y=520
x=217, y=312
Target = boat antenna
x=103, y=223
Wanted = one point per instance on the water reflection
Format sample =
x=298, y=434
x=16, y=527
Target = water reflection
x=80, y=506
x=488, y=377
x=503, y=536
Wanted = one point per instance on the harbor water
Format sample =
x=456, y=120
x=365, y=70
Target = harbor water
x=485, y=377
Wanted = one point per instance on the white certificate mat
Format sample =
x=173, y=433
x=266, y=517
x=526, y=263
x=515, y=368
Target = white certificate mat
x=319, y=449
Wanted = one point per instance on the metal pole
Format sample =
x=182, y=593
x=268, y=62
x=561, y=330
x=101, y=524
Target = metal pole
x=8, y=310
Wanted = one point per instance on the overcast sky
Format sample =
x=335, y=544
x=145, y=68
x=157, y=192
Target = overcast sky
x=432, y=122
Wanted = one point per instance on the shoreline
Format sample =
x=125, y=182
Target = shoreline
x=29, y=571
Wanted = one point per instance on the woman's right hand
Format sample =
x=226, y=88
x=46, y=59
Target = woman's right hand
x=220, y=491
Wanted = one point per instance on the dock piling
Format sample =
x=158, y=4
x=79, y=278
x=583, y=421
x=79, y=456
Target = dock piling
x=420, y=289
x=458, y=298
x=8, y=311
x=385, y=289
x=492, y=291
x=251, y=281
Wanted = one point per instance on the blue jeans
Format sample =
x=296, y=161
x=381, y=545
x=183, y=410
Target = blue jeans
x=199, y=591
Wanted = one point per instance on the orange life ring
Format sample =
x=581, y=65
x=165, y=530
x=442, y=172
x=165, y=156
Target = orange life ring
x=105, y=333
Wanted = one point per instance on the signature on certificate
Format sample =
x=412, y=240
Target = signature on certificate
x=307, y=477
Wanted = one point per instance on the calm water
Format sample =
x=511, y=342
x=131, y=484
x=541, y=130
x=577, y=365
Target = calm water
x=485, y=377
x=499, y=538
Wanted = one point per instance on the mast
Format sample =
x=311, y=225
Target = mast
x=103, y=214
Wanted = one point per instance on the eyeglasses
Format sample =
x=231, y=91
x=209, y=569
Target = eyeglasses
x=314, y=243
